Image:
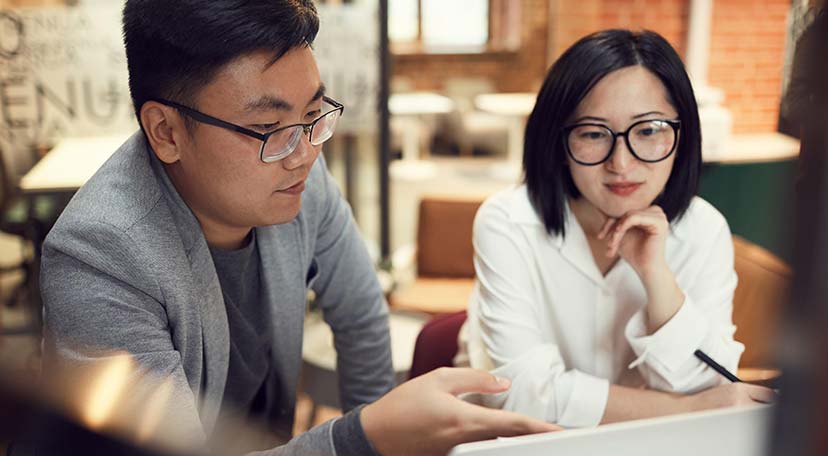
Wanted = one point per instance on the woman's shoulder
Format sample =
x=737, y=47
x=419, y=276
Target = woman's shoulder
x=511, y=206
x=700, y=221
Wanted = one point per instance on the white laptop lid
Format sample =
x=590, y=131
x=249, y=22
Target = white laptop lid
x=742, y=431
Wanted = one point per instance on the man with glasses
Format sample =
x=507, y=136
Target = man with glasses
x=193, y=247
x=285, y=139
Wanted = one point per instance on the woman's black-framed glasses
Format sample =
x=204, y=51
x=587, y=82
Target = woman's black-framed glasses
x=649, y=141
x=281, y=142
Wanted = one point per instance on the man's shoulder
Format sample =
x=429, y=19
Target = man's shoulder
x=119, y=223
x=320, y=197
x=122, y=192
x=119, y=203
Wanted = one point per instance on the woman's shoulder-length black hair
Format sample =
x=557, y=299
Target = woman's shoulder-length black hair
x=573, y=75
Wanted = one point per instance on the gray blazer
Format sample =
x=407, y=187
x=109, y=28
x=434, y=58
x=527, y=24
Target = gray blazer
x=127, y=268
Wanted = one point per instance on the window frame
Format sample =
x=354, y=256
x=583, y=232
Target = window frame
x=503, y=33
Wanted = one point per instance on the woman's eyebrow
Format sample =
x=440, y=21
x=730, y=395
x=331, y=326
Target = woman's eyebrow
x=638, y=116
x=596, y=119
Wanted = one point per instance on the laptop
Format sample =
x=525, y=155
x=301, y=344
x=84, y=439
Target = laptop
x=738, y=431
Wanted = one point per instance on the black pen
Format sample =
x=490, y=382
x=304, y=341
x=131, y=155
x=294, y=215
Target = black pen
x=716, y=366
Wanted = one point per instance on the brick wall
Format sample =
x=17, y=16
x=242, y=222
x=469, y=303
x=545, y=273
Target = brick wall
x=572, y=20
x=746, y=59
x=509, y=71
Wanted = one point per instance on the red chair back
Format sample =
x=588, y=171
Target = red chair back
x=436, y=344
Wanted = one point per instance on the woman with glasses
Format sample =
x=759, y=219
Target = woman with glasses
x=599, y=278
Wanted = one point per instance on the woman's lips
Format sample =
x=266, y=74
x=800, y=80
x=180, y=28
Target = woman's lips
x=623, y=188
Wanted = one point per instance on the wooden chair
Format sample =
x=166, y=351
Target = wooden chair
x=764, y=283
x=445, y=268
x=436, y=344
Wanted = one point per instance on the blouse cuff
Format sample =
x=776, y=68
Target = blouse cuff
x=585, y=399
x=674, y=343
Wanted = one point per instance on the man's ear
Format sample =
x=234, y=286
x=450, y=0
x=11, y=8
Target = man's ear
x=165, y=130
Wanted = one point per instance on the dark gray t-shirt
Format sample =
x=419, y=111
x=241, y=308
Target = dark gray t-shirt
x=250, y=333
x=246, y=391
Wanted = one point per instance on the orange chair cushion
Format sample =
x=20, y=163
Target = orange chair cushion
x=764, y=282
x=444, y=237
x=433, y=296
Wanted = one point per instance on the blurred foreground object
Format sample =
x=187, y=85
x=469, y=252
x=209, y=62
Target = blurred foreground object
x=103, y=410
x=803, y=347
x=113, y=407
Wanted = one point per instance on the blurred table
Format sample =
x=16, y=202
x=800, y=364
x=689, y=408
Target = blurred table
x=756, y=148
x=70, y=164
x=752, y=185
x=515, y=108
x=413, y=108
x=319, y=377
x=57, y=176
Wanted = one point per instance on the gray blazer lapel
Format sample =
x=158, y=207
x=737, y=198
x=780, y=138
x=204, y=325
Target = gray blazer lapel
x=215, y=332
x=286, y=296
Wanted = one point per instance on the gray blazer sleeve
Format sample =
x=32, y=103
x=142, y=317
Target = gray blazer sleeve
x=97, y=302
x=352, y=302
x=325, y=439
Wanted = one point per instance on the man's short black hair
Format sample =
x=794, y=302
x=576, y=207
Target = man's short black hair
x=573, y=75
x=175, y=48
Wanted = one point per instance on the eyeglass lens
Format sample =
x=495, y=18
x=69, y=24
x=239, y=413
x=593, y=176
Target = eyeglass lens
x=282, y=143
x=650, y=140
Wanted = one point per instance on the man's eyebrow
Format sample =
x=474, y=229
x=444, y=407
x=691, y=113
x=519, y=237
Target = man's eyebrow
x=271, y=103
x=268, y=103
x=320, y=92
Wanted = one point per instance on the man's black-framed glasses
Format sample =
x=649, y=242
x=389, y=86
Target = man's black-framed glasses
x=649, y=141
x=280, y=142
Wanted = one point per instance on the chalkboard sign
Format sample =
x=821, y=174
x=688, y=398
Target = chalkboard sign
x=62, y=73
x=347, y=51
x=63, y=70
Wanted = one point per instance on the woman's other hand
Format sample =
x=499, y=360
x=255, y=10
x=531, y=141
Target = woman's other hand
x=730, y=395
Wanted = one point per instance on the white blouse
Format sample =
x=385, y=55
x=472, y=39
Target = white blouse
x=543, y=316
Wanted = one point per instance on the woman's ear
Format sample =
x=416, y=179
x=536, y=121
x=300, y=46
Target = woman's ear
x=165, y=130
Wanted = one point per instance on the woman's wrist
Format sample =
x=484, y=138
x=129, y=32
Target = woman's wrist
x=656, y=276
x=664, y=298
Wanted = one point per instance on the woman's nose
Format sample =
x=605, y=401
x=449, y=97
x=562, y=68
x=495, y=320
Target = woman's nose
x=621, y=158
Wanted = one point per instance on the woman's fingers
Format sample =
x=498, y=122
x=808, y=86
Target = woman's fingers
x=761, y=394
x=608, y=224
x=651, y=220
